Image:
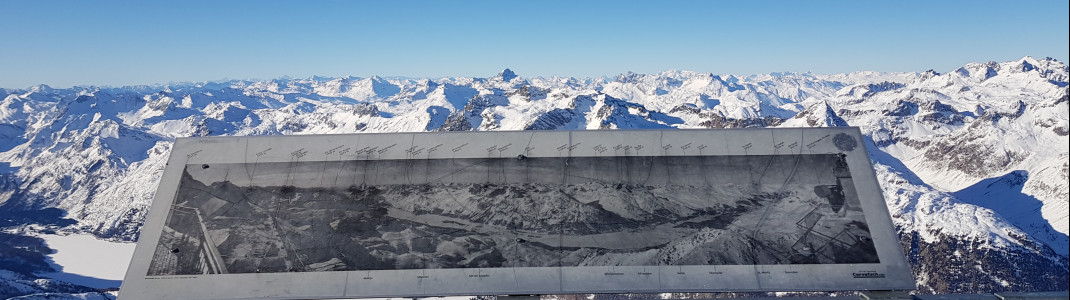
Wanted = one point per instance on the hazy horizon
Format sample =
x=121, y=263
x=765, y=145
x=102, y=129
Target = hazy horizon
x=112, y=43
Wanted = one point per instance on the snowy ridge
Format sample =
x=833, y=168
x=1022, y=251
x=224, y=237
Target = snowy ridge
x=817, y=115
x=973, y=159
x=980, y=124
x=15, y=284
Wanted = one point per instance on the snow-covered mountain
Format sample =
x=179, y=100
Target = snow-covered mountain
x=973, y=162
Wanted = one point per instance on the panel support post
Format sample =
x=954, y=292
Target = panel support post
x=885, y=295
x=519, y=297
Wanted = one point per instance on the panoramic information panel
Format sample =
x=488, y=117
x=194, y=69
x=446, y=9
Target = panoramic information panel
x=532, y=212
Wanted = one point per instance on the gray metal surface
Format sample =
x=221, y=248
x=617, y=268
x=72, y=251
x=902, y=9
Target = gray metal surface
x=1033, y=295
x=535, y=212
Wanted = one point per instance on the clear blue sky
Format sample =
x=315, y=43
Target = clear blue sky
x=65, y=43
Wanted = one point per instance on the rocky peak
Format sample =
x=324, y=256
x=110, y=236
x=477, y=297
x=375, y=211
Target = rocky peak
x=507, y=75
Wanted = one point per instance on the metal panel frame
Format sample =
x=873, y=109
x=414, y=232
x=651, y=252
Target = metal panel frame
x=890, y=274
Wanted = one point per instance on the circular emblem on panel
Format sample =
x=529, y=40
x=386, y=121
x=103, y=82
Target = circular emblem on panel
x=844, y=142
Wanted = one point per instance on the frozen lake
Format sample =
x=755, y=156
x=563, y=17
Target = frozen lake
x=88, y=261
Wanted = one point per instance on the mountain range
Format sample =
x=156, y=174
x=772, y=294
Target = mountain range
x=973, y=162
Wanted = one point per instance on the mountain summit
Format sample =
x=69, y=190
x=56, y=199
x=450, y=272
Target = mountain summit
x=816, y=115
x=507, y=75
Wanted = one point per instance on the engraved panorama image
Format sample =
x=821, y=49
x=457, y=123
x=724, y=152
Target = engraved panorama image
x=505, y=212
